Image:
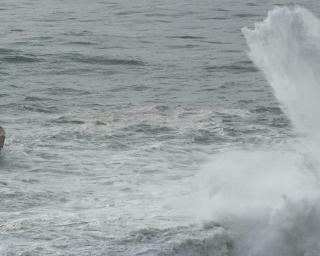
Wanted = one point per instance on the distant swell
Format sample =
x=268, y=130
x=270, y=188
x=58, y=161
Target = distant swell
x=238, y=67
x=102, y=60
x=20, y=59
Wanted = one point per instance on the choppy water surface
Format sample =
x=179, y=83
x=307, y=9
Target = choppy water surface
x=111, y=108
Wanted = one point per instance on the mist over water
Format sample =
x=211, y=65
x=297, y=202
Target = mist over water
x=269, y=197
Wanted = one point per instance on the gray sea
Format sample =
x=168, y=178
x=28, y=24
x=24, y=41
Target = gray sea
x=111, y=108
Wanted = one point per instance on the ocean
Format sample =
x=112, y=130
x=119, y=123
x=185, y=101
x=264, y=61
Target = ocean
x=160, y=128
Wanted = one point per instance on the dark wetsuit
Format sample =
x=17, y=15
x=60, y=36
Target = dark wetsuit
x=2, y=137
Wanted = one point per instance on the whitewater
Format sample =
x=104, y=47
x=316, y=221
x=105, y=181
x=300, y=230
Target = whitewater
x=269, y=197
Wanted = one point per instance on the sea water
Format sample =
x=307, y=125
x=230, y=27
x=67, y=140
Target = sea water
x=159, y=128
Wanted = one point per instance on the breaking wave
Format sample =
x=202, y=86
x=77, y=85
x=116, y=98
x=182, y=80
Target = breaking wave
x=269, y=198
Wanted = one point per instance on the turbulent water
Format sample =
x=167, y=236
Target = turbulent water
x=160, y=128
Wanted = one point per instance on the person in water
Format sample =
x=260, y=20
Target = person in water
x=2, y=137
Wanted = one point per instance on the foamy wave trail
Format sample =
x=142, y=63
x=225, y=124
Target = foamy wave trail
x=269, y=199
x=285, y=46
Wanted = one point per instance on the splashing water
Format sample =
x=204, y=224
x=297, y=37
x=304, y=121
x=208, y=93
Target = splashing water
x=269, y=199
x=286, y=48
